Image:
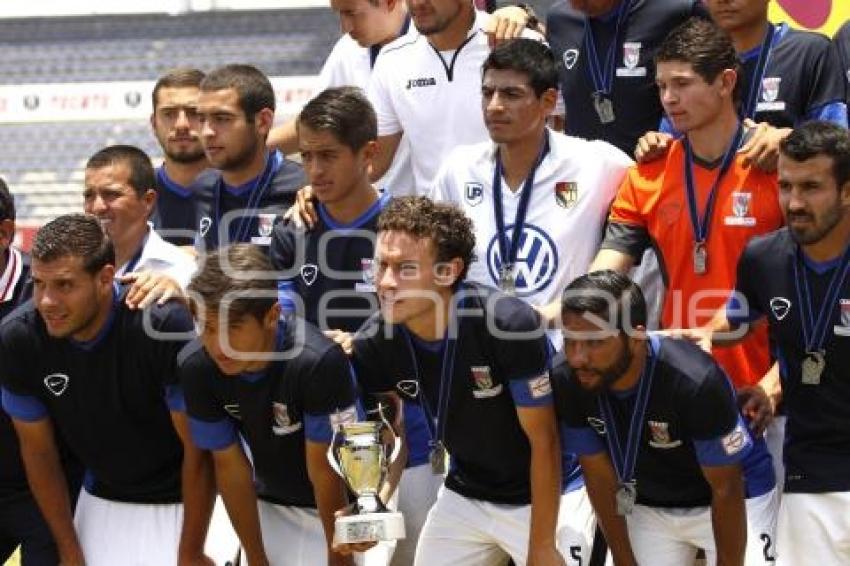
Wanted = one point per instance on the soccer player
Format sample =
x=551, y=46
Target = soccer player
x=183, y=182
x=657, y=430
x=538, y=199
x=700, y=205
x=842, y=45
x=607, y=74
x=120, y=192
x=21, y=522
x=236, y=111
x=425, y=86
x=77, y=362
x=476, y=361
x=797, y=280
x=281, y=386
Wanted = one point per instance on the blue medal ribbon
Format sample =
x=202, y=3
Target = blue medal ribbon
x=508, y=249
x=815, y=330
x=748, y=110
x=256, y=194
x=602, y=74
x=701, y=226
x=624, y=463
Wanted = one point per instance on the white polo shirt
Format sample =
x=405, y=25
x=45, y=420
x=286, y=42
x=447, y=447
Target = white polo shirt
x=573, y=189
x=433, y=97
x=161, y=256
x=349, y=64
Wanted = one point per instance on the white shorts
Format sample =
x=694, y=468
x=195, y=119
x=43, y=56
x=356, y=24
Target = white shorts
x=130, y=534
x=222, y=543
x=576, y=527
x=774, y=437
x=293, y=536
x=814, y=528
x=671, y=537
x=416, y=493
x=467, y=531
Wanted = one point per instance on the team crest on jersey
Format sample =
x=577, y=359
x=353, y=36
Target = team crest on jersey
x=283, y=424
x=205, y=225
x=367, y=276
x=597, y=424
x=741, y=215
x=571, y=58
x=780, y=307
x=483, y=381
x=843, y=328
x=566, y=193
x=265, y=224
x=631, y=58
x=473, y=193
x=769, y=95
x=57, y=383
x=232, y=409
x=536, y=260
x=659, y=433
x=309, y=273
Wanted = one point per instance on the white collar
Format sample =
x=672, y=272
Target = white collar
x=11, y=275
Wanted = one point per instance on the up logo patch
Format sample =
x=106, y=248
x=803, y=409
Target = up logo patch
x=57, y=383
x=536, y=260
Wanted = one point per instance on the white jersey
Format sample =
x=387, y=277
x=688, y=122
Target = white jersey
x=573, y=189
x=349, y=64
x=433, y=97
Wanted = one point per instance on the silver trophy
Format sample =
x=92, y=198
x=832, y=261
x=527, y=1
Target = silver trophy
x=358, y=454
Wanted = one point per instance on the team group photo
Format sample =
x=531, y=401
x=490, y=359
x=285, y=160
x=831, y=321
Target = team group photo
x=425, y=283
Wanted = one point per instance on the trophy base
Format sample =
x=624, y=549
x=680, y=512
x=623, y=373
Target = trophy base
x=369, y=527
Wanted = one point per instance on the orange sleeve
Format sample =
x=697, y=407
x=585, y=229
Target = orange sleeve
x=628, y=205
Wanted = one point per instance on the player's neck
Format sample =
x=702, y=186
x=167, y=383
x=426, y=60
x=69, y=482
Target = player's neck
x=710, y=142
x=251, y=170
x=434, y=324
x=269, y=346
x=184, y=173
x=519, y=157
x=632, y=375
x=352, y=206
x=455, y=34
x=130, y=244
x=833, y=244
x=749, y=37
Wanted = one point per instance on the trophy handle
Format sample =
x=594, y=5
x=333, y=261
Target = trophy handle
x=396, y=438
x=331, y=456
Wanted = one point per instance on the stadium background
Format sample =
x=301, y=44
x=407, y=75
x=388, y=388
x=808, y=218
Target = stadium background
x=76, y=76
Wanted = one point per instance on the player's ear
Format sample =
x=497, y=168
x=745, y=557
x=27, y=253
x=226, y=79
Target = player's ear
x=149, y=200
x=549, y=98
x=844, y=193
x=7, y=233
x=728, y=79
x=106, y=275
x=272, y=316
x=369, y=151
x=263, y=121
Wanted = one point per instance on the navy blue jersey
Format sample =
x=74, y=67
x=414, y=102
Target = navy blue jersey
x=108, y=398
x=637, y=108
x=247, y=213
x=841, y=41
x=691, y=421
x=499, y=364
x=817, y=433
x=326, y=272
x=179, y=208
x=275, y=410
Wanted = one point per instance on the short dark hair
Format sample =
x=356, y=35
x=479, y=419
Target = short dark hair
x=820, y=138
x=599, y=292
x=345, y=112
x=217, y=281
x=526, y=56
x=142, y=175
x=74, y=235
x=177, y=78
x=706, y=47
x=253, y=88
x=7, y=202
x=449, y=229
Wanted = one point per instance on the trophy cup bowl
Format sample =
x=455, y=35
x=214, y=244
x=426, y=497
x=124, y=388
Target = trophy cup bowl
x=358, y=454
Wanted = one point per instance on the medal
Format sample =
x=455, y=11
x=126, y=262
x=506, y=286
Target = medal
x=626, y=497
x=507, y=281
x=700, y=258
x=604, y=107
x=813, y=365
x=437, y=458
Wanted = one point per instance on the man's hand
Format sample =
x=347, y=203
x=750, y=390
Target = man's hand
x=545, y=556
x=344, y=339
x=762, y=148
x=652, y=146
x=757, y=407
x=149, y=286
x=506, y=23
x=303, y=212
x=72, y=557
x=699, y=336
x=350, y=548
